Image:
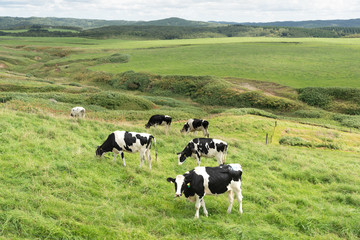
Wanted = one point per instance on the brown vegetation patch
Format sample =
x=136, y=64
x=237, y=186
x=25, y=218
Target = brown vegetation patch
x=3, y=65
x=268, y=88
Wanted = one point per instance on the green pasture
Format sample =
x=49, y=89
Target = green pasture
x=53, y=186
x=303, y=184
x=295, y=62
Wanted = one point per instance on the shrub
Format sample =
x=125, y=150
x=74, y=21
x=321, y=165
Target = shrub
x=294, y=141
x=314, y=96
x=348, y=121
x=111, y=100
x=131, y=80
x=309, y=114
x=115, y=58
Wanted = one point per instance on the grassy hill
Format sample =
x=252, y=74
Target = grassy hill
x=310, y=24
x=16, y=22
x=302, y=184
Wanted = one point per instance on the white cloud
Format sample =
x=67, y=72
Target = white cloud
x=203, y=10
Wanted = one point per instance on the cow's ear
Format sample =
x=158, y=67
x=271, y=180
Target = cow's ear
x=178, y=153
x=171, y=179
x=188, y=178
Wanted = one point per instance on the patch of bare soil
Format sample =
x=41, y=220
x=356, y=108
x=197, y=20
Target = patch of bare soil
x=2, y=66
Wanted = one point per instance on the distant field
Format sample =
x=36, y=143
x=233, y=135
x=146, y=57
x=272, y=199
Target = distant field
x=299, y=62
x=295, y=62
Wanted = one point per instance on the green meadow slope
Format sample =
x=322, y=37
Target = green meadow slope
x=53, y=186
x=302, y=184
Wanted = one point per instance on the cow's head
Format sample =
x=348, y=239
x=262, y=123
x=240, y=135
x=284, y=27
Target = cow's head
x=181, y=183
x=147, y=125
x=181, y=158
x=99, y=151
x=185, y=128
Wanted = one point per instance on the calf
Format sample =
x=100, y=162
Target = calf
x=123, y=141
x=210, y=180
x=206, y=147
x=159, y=120
x=78, y=112
x=193, y=125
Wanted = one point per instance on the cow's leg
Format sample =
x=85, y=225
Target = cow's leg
x=205, y=132
x=231, y=200
x=115, y=155
x=239, y=198
x=167, y=128
x=204, y=208
x=142, y=157
x=123, y=158
x=219, y=158
x=197, y=206
x=148, y=156
x=198, y=158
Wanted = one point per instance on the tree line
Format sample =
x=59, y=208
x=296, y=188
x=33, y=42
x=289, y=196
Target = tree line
x=184, y=32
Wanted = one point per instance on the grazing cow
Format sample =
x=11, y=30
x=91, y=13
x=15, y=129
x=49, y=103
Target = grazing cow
x=123, y=141
x=78, y=112
x=193, y=125
x=209, y=180
x=159, y=120
x=206, y=147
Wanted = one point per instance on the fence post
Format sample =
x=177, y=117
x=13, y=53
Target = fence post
x=267, y=138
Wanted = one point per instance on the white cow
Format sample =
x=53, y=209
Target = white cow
x=78, y=112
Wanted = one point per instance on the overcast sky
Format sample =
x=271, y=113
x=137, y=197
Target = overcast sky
x=201, y=10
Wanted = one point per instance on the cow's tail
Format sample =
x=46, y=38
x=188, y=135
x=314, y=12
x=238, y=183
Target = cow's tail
x=152, y=137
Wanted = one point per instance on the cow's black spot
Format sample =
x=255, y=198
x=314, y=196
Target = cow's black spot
x=143, y=140
x=221, y=147
x=197, y=123
x=219, y=179
x=212, y=144
x=205, y=124
x=129, y=139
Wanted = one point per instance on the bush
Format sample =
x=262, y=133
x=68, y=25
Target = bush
x=115, y=58
x=314, y=97
x=111, y=100
x=348, y=121
x=309, y=114
x=294, y=141
x=131, y=81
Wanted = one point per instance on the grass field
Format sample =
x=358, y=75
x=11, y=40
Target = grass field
x=290, y=62
x=53, y=187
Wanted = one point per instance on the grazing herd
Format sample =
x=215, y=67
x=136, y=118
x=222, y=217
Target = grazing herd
x=194, y=184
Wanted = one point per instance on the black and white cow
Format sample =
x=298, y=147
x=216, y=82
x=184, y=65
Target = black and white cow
x=159, y=120
x=193, y=125
x=77, y=112
x=123, y=141
x=204, y=147
x=202, y=181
